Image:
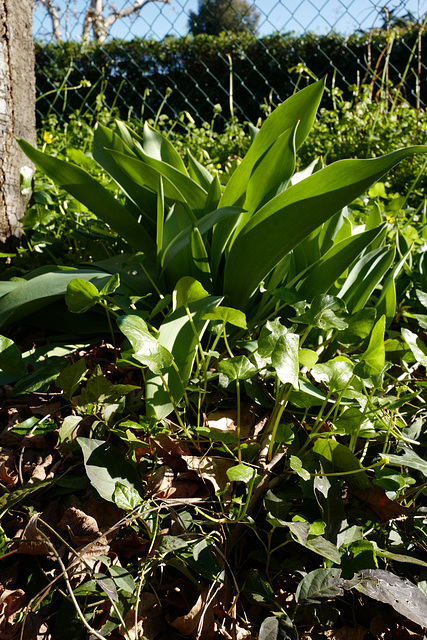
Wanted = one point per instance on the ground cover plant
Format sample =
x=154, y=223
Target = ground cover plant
x=218, y=430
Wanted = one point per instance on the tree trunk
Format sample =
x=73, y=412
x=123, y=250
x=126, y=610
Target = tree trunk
x=17, y=108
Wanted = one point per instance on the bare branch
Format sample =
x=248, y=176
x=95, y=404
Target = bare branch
x=53, y=13
x=117, y=14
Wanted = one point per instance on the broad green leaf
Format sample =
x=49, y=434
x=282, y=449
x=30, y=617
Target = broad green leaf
x=181, y=239
x=96, y=388
x=365, y=276
x=319, y=585
x=42, y=377
x=416, y=345
x=295, y=464
x=11, y=358
x=126, y=497
x=146, y=348
x=292, y=215
x=67, y=428
x=199, y=258
x=269, y=335
x=373, y=360
x=325, y=313
x=360, y=325
x=111, y=286
x=300, y=107
x=237, y=368
x=333, y=263
x=36, y=293
x=241, y=473
x=70, y=378
x=187, y=290
x=341, y=459
x=408, y=459
x=143, y=198
x=9, y=500
x=318, y=544
x=307, y=358
x=404, y=596
x=228, y=315
x=278, y=627
x=271, y=172
x=93, y=195
x=122, y=579
x=175, y=182
x=177, y=336
x=158, y=147
x=81, y=295
x=335, y=373
x=201, y=175
x=105, y=467
x=285, y=359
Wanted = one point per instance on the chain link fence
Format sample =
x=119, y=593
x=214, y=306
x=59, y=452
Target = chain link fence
x=140, y=58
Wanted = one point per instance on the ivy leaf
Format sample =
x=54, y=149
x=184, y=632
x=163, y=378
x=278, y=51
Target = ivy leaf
x=111, y=286
x=269, y=335
x=126, y=497
x=146, y=348
x=81, y=295
x=319, y=585
x=285, y=359
x=237, y=368
x=11, y=358
x=373, y=360
x=70, y=378
x=336, y=373
x=417, y=346
x=187, y=290
x=295, y=464
x=404, y=596
x=105, y=467
x=228, y=315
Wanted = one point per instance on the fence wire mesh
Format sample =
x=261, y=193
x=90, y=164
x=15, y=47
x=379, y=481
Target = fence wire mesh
x=140, y=57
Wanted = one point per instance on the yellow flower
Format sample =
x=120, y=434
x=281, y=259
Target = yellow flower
x=48, y=137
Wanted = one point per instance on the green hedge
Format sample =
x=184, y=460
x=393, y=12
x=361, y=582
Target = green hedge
x=197, y=71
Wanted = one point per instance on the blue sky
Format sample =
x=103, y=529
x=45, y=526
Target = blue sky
x=157, y=19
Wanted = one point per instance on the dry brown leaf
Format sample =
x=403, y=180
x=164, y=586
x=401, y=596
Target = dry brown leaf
x=35, y=628
x=11, y=602
x=347, y=633
x=31, y=542
x=40, y=471
x=8, y=473
x=170, y=450
x=150, y=619
x=186, y=485
x=88, y=557
x=226, y=420
x=199, y=622
x=209, y=468
x=81, y=527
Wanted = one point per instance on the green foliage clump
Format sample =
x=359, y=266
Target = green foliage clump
x=214, y=16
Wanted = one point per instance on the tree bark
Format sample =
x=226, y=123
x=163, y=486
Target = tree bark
x=17, y=108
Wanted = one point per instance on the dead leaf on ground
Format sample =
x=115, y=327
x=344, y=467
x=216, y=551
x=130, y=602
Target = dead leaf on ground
x=11, y=602
x=35, y=628
x=150, y=619
x=81, y=527
x=213, y=469
x=8, y=473
x=185, y=485
x=170, y=450
x=41, y=469
x=31, y=542
x=199, y=622
x=225, y=420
